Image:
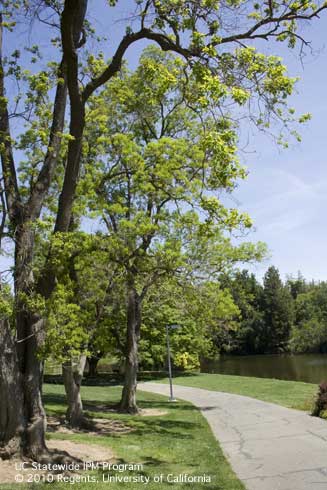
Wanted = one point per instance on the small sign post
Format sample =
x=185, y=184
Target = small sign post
x=171, y=398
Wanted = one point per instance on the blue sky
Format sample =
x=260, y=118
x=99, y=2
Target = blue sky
x=285, y=192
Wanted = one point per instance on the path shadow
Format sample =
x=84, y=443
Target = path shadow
x=54, y=399
x=137, y=424
x=115, y=378
x=112, y=407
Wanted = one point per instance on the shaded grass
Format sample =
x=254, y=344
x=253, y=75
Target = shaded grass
x=178, y=442
x=291, y=394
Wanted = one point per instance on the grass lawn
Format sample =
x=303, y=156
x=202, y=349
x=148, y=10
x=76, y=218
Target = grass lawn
x=178, y=442
x=291, y=394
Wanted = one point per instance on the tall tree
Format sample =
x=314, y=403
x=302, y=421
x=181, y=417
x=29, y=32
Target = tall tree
x=277, y=305
x=153, y=170
x=249, y=337
x=201, y=33
x=310, y=332
x=296, y=285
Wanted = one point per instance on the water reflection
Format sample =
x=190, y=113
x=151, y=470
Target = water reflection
x=311, y=368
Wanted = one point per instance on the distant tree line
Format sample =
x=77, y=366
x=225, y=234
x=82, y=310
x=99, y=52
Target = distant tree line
x=233, y=314
x=276, y=316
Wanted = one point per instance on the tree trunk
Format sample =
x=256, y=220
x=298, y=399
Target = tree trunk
x=128, y=399
x=12, y=421
x=93, y=362
x=22, y=416
x=36, y=419
x=72, y=375
x=22, y=419
x=30, y=337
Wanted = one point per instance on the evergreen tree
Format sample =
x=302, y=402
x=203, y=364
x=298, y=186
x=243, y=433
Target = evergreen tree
x=296, y=285
x=278, y=312
x=247, y=295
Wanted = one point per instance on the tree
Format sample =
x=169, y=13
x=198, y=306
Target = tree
x=309, y=333
x=95, y=355
x=278, y=312
x=296, y=285
x=203, y=311
x=247, y=292
x=12, y=397
x=76, y=309
x=153, y=172
x=198, y=32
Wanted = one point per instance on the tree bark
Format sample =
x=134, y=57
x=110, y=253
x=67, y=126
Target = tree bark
x=93, y=362
x=23, y=421
x=72, y=375
x=22, y=370
x=12, y=421
x=128, y=400
x=30, y=337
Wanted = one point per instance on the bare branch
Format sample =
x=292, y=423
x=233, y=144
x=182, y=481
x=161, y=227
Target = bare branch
x=252, y=33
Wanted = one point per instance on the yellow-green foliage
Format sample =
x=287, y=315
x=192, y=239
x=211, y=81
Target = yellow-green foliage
x=66, y=325
x=6, y=302
x=187, y=361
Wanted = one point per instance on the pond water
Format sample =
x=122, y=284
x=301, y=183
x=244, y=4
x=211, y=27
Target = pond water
x=311, y=368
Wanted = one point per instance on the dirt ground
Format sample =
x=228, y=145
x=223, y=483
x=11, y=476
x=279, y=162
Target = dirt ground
x=11, y=470
x=96, y=427
x=77, y=451
x=152, y=412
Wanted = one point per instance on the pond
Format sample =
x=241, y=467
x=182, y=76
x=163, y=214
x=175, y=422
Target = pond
x=311, y=368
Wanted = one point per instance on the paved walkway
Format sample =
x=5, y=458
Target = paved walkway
x=269, y=447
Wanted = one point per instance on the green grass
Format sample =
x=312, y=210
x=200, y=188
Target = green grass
x=178, y=442
x=291, y=394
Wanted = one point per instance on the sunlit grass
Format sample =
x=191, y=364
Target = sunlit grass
x=179, y=441
x=291, y=394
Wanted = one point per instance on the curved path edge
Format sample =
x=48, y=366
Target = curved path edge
x=269, y=447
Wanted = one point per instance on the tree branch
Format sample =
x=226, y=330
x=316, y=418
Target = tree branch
x=4, y=213
x=164, y=42
x=13, y=198
x=45, y=176
x=270, y=19
x=72, y=20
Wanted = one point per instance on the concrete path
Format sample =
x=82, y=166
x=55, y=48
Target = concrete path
x=269, y=447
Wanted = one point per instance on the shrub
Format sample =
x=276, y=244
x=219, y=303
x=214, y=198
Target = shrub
x=186, y=361
x=321, y=400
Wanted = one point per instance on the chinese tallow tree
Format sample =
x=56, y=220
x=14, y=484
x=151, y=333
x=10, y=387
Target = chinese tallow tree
x=160, y=149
